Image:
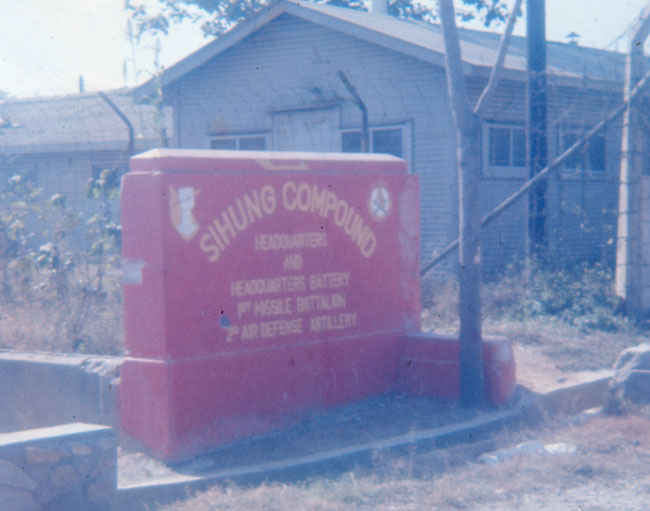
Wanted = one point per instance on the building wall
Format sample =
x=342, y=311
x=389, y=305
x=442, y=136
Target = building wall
x=581, y=206
x=584, y=204
x=291, y=64
x=67, y=174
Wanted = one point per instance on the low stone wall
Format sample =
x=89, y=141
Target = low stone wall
x=39, y=390
x=63, y=468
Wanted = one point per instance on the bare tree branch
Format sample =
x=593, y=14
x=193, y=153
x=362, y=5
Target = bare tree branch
x=641, y=27
x=512, y=199
x=495, y=73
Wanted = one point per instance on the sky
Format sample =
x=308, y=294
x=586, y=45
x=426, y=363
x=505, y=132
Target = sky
x=45, y=45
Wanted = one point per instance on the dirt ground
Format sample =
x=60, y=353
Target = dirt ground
x=606, y=468
x=609, y=470
x=373, y=419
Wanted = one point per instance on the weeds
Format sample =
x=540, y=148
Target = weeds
x=581, y=296
x=606, y=471
x=47, y=271
x=58, y=278
x=570, y=315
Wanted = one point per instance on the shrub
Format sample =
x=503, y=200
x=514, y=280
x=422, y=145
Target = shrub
x=59, y=268
x=581, y=296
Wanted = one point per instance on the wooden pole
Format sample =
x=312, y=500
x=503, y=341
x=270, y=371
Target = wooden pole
x=629, y=258
x=554, y=165
x=536, y=123
x=468, y=131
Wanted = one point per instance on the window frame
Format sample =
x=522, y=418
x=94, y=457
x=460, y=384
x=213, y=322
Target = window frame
x=237, y=137
x=580, y=131
x=407, y=140
x=502, y=171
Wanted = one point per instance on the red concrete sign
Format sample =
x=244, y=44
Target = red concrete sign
x=257, y=285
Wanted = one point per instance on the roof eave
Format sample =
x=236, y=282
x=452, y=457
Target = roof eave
x=368, y=35
x=244, y=29
x=553, y=79
x=294, y=8
x=210, y=50
x=78, y=147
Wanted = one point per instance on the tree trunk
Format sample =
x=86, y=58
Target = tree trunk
x=468, y=130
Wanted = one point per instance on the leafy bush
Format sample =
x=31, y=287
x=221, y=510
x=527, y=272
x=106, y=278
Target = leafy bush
x=581, y=296
x=54, y=266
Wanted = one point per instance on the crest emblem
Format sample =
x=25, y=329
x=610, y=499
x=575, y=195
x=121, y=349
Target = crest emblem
x=181, y=204
x=379, y=203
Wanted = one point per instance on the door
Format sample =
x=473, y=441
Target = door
x=306, y=130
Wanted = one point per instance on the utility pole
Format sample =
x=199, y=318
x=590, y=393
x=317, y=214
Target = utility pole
x=629, y=269
x=536, y=143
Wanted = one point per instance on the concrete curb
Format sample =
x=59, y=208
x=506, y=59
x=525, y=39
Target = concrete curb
x=162, y=491
x=582, y=392
x=574, y=398
x=569, y=399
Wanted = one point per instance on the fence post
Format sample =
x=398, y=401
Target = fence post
x=629, y=277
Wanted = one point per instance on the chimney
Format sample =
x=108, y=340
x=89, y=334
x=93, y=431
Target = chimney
x=379, y=7
x=82, y=85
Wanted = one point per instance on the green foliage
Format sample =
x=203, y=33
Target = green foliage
x=106, y=233
x=17, y=203
x=53, y=258
x=581, y=296
x=218, y=16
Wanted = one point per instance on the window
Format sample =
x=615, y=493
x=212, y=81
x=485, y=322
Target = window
x=240, y=143
x=504, y=150
x=252, y=143
x=386, y=140
x=351, y=141
x=223, y=143
x=592, y=157
x=506, y=146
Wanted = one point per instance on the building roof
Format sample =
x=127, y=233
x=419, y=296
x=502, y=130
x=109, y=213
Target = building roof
x=566, y=63
x=76, y=122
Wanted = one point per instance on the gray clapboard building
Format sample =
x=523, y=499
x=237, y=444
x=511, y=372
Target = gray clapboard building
x=60, y=142
x=273, y=82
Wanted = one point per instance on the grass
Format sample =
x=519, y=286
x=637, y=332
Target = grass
x=39, y=327
x=570, y=316
x=609, y=471
x=83, y=320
